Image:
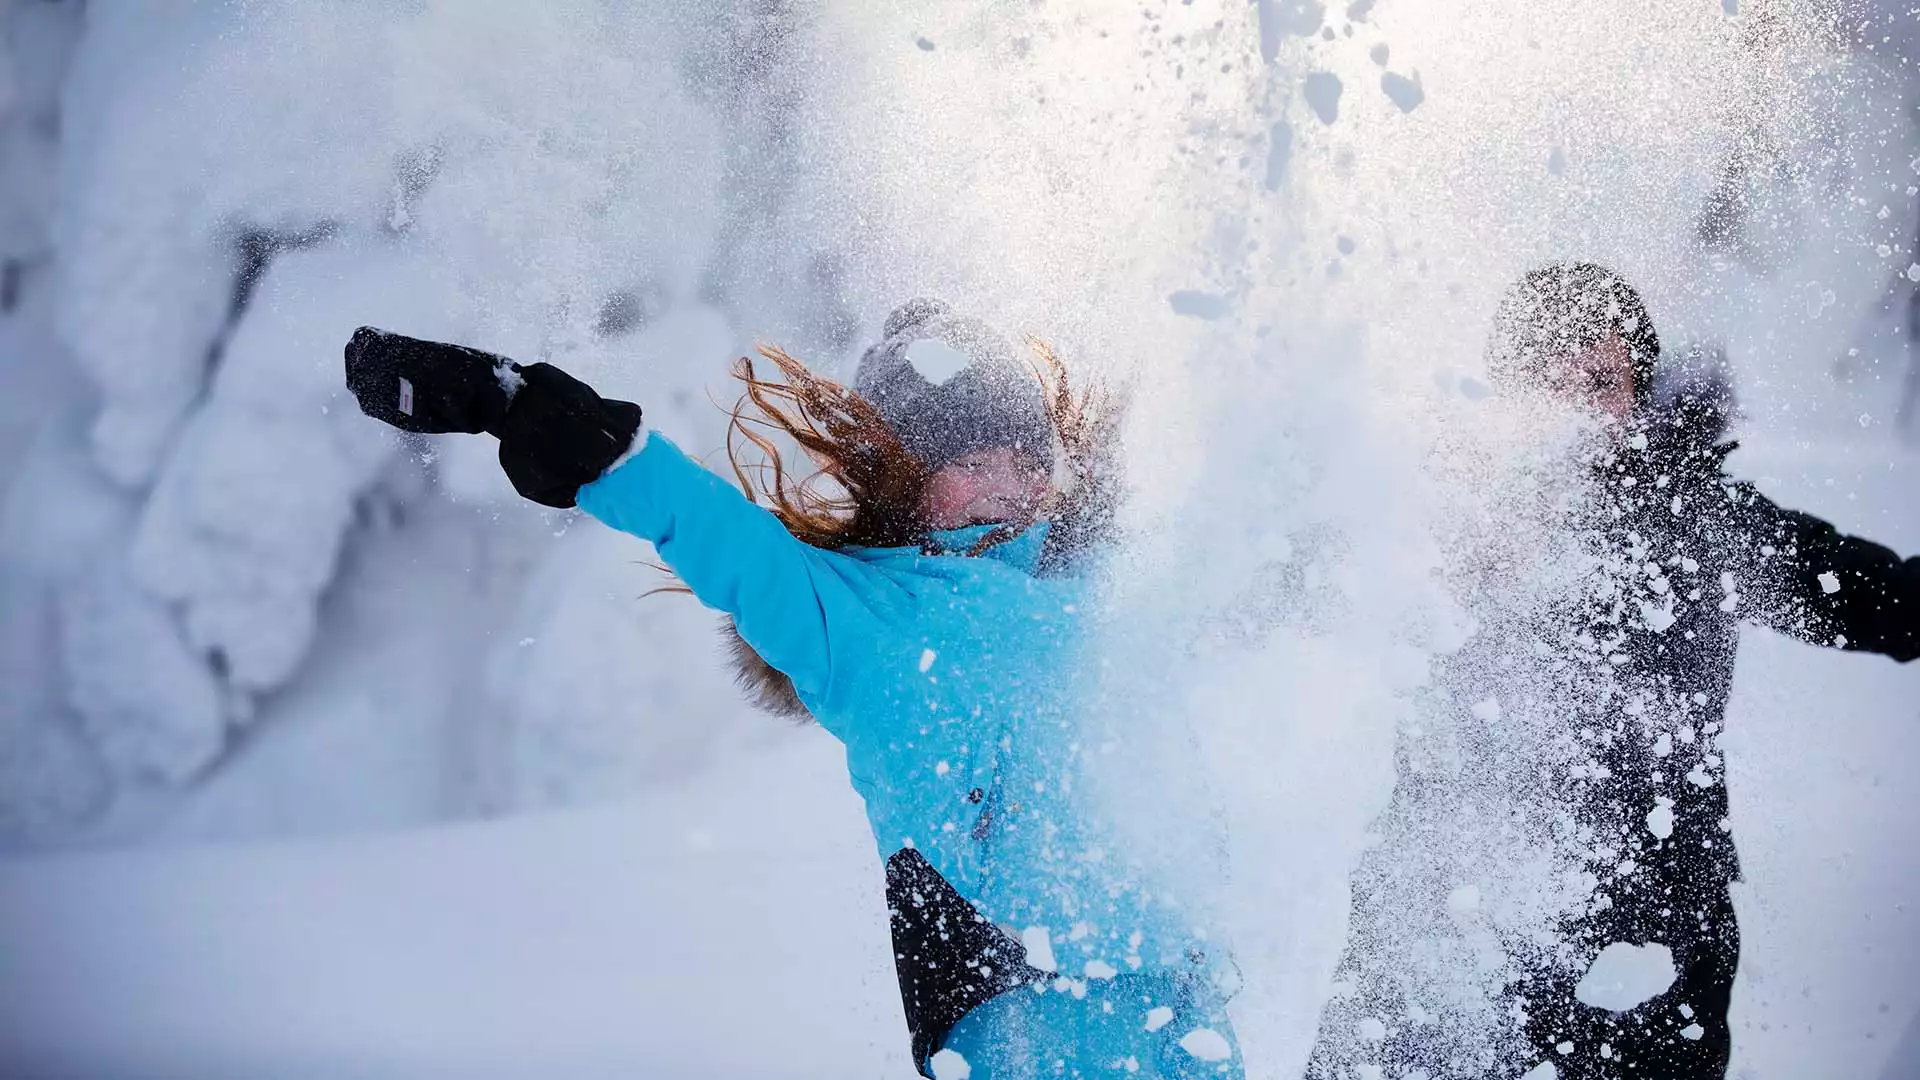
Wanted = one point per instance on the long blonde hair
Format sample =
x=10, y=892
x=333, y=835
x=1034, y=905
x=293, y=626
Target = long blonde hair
x=876, y=483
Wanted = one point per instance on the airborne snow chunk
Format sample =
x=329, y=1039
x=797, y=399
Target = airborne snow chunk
x=1403, y=91
x=1206, y=1044
x=950, y=1065
x=1200, y=305
x=1657, y=617
x=1660, y=818
x=1625, y=975
x=1279, y=153
x=935, y=360
x=1322, y=90
x=1039, y=946
x=1279, y=18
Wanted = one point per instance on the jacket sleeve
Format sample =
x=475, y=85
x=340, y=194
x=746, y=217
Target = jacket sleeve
x=735, y=556
x=1823, y=586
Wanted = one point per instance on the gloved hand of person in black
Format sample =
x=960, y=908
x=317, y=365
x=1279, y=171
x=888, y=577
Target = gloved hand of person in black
x=555, y=432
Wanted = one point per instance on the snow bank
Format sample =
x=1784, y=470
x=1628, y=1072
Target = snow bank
x=49, y=776
x=689, y=934
x=39, y=40
x=596, y=687
x=234, y=207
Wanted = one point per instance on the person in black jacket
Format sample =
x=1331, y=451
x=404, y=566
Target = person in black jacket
x=1643, y=657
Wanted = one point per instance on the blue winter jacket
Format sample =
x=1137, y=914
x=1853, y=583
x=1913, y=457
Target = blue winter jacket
x=950, y=680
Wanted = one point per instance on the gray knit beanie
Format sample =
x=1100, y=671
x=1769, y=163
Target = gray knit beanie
x=949, y=385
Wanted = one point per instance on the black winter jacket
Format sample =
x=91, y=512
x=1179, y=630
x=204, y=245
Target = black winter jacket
x=1689, y=555
x=1580, y=738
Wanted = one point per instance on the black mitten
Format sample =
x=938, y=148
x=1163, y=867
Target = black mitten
x=559, y=434
x=555, y=432
x=427, y=386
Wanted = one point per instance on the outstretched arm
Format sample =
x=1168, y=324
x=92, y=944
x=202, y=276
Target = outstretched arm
x=735, y=556
x=562, y=445
x=1826, y=587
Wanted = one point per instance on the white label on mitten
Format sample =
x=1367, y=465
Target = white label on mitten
x=406, y=397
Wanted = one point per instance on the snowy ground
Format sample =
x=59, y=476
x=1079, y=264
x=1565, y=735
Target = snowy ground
x=684, y=934
x=302, y=690
x=1819, y=751
x=705, y=932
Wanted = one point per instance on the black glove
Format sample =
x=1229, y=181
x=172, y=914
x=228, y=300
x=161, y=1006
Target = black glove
x=427, y=386
x=559, y=434
x=555, y=432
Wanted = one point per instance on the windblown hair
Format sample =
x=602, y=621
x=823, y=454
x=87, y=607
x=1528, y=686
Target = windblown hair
x=879, y=482
x=864, y=486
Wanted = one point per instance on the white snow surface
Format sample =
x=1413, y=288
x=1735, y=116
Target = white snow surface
x=310, y=678
x=661, y=932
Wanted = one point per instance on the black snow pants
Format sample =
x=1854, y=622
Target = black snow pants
x=1681, y=1034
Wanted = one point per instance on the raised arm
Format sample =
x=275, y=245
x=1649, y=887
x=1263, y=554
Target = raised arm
x=562, y=445
x=1823, y=586
x=734, y=555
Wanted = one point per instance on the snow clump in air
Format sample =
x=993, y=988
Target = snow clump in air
x=950, y=1065
x=1625, y=975
x=1206, y=1044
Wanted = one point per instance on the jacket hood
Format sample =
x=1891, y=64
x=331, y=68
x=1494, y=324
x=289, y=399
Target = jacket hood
x=1022, y=551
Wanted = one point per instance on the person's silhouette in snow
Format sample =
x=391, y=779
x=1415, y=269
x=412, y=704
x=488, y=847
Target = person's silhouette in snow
x=1702, y=553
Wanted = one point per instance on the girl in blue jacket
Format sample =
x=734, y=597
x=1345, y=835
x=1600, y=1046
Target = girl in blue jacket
x=926, y=613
